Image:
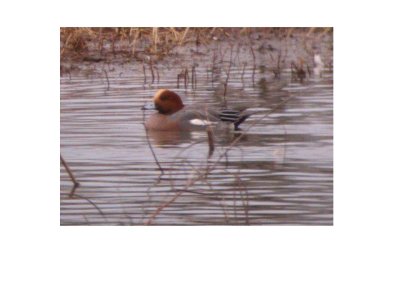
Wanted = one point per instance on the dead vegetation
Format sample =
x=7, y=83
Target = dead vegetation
x=95, y=44
x=222, y=48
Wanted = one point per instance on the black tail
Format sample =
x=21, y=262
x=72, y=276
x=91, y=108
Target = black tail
x=240, y=121
x=233, y=116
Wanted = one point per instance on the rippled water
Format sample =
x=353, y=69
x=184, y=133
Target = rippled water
x=279, y=172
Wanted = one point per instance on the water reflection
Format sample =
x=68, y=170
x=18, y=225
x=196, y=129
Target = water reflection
x=170, y=138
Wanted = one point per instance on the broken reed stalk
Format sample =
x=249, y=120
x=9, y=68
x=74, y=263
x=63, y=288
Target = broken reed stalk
x=166, y=204
x=91, y=202
x=175, y=33
x=245, y=198
x=151, y=147
x=309, y=71
x=184, y=35
x=108, y=82
x=277, y=69
x=278, y=65
x=133, y=48
x=210, y=137
x=227, y=76
x=194, y=78
x=71, y=175
x=254, y=64
x=114, y=36
x=243, y=71
x=213, y=66
x=297, y=72
x=152, y=72
x=100, y=42
x=158, y=74
x=155, y=38
x=236, y=58
x=186, y=78
x=185, y=75
x=144, y=74
x=211, y=167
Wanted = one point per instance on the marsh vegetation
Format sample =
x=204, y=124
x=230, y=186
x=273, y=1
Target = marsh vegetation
x=277, y=170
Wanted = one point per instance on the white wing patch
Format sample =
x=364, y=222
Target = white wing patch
x=199, y=122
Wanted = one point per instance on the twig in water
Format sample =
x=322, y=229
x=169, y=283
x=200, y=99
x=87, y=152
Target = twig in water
x=277, y=70
x=160, y=208
x=210, y=141
x=254, y=64
x=108, y=82
x=242, y=76
x=92, y=203
x=71, y=175
x=194, y=78
x=144, y=73
x=185, y=75
x=151, y=148
x=298, y=72
x=114, y=37
x=213, y=66
x=158, y=74
x=152, y=72
x=245, y=198
x=228, y=75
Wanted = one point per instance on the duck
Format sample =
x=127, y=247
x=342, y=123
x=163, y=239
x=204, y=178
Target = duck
x=172, y=115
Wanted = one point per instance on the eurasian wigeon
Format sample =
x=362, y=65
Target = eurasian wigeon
x=174, y=115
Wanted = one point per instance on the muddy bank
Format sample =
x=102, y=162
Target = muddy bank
x=274, y=49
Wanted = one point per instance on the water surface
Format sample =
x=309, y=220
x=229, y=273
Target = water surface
x=280, y=171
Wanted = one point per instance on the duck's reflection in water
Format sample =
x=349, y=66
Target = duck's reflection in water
x=172, y=138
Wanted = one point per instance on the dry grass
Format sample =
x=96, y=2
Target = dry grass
x=77, y=43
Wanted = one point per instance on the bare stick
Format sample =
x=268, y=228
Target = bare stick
x=114, y=37
x=213, y=66
x=92, y=203
x=184, y=35
x=108, y=82
x=144, y=73
x=155, y=38
x=254, y=64
x=210, y=141
x=152, y=72
x=244, y=68
x=227, y=75
x=194, y=79
x=71, y=175
x=152, y=150
x=186, y=75
x=158, y=74
x=160, y=208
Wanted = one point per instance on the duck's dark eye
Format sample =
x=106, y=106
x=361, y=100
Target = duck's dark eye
x=164, y=97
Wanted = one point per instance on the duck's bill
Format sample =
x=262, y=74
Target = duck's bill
x=149, y=106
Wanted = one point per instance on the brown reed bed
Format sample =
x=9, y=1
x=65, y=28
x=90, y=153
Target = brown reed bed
x=105, y=43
